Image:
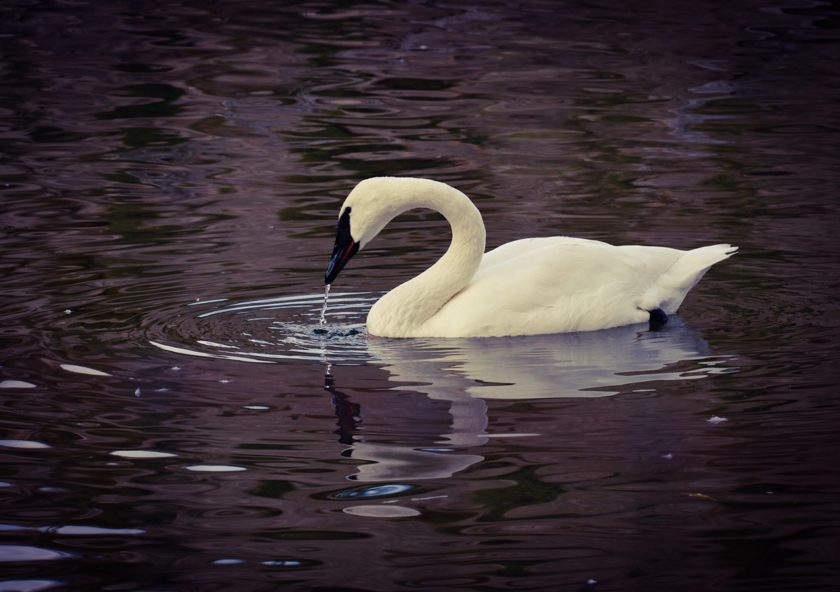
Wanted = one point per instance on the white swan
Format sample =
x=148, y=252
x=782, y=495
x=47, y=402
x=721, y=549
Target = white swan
x=526, y=287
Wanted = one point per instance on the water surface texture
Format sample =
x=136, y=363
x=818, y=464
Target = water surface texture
x=173, y=417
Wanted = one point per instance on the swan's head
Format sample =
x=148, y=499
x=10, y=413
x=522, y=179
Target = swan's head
x=368, y=208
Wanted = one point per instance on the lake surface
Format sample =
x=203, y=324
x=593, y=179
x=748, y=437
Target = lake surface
x=172, y=419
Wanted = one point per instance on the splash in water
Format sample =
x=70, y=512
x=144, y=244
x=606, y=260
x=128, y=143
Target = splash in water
x=323, y=320
x=269, y=329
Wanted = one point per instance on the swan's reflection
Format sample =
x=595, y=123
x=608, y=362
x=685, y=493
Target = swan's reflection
x=464, y=372
x=436, y=457
x=591, y=364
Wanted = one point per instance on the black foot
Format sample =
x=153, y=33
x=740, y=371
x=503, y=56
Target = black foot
x=658, y=319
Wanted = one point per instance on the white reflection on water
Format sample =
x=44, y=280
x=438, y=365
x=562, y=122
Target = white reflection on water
x=466, y=372
x=19, y=553
x=394, y=462
x=592, y=364
x=28, y=585
x=142, y=454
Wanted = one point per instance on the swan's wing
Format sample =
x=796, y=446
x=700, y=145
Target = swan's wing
x=561, y=266
x=562, y=284
x=652, y=277
x=528, y=246
x=555, y=284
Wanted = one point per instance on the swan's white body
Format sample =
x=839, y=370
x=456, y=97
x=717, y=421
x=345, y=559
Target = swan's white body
x=526, y=287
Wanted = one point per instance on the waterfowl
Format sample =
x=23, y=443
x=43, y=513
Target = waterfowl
x=531, y=286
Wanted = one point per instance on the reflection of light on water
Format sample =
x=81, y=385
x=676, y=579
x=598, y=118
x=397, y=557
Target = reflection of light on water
x=16, y=384
x=374, y=491
x=200, y=354
x=82, y=370
x=32, y=444
x=396, y=462
x=141, y=454
x=371, y=511
x=215, y=468
x=20, y=553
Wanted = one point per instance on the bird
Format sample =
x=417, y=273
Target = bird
x=530, y=286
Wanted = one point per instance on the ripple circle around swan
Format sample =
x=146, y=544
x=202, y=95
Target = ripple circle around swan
x=271, y=330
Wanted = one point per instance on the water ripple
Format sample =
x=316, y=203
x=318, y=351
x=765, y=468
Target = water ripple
x=271, y=330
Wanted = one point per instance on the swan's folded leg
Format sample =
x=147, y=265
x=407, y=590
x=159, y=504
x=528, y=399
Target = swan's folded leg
x=658, y=319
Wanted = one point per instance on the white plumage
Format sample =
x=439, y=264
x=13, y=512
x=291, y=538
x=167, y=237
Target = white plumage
x=526, y=287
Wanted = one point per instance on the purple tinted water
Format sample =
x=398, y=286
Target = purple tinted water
x=174, y=417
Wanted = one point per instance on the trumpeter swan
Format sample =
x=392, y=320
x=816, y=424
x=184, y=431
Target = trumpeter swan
x=530, y=286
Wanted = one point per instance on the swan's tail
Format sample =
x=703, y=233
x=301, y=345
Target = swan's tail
x=673, y=285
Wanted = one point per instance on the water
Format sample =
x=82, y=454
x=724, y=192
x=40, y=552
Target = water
x=323, y=319
x=176, y=417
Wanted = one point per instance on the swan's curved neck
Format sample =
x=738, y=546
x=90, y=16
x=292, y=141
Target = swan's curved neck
x=409, y=305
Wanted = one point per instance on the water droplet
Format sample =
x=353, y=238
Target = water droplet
x=323, y=320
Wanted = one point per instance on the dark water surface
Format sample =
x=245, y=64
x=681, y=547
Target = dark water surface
x=173, y=419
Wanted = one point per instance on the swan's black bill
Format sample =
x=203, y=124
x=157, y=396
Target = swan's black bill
x=345, y=247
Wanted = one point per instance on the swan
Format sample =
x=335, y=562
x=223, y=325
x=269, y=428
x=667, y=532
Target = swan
x=530, y=286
